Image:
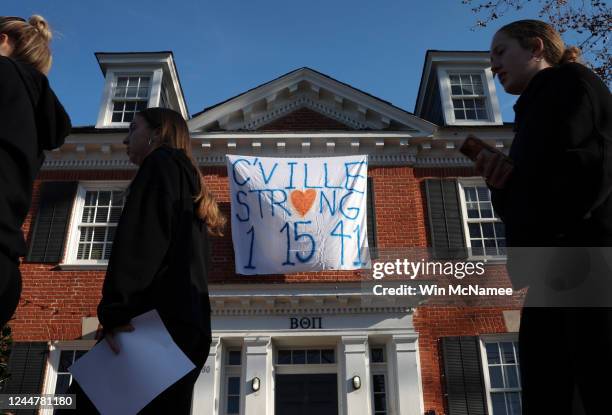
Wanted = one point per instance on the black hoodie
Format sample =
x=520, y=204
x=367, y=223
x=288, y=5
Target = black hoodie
x=31, y=120
x=159, y=255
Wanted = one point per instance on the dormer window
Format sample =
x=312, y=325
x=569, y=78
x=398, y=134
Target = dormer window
x=468, y=97
x=131, y=95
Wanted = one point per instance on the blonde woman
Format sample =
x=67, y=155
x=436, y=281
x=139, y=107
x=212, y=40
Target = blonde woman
x=159, y=252
x=31, y=120
x=557, y=196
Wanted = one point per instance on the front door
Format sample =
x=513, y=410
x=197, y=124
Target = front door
x=312, y=394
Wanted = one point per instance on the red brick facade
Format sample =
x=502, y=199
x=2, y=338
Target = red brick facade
x=54, y=301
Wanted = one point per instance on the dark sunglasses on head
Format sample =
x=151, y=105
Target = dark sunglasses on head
x=4, y=19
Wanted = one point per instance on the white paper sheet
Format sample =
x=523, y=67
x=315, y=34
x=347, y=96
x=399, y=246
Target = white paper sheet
x=148, y=363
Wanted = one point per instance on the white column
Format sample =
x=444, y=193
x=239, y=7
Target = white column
x=405, y=374
x=257, y=362
x=207, y=388
x=356, y=362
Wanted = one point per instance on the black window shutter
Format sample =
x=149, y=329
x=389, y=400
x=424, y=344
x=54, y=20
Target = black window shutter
x=463, y=376
x=26, y=367
x=445, y=221
x=371, y=220
x=51, y=225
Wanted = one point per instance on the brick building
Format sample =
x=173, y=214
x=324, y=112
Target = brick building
x=306, y=336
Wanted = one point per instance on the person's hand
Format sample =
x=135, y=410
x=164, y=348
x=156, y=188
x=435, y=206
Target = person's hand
x=110, y=336
x=494, y=168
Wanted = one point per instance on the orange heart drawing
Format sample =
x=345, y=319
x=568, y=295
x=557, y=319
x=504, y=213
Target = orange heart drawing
x=302, y=201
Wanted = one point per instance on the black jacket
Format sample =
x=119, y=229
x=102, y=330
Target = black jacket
x=31, y=120
x=559, y=191
x=159, y=257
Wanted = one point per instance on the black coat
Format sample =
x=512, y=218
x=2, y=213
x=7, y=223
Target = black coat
x=31, y=120
x=159, y=255
x=559, y=191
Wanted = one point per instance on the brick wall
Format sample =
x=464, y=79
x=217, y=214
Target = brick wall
x=54, y=301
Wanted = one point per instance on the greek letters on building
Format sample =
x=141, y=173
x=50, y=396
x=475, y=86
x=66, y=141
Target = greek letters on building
x=305, y=342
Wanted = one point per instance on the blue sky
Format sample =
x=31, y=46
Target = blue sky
x=225, y=48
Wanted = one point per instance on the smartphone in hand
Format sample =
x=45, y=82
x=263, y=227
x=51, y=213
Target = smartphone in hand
x=496, y=167
x=472, y=146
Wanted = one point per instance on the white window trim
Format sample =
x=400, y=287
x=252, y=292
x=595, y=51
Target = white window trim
x=380, y=368
x=55, y=350
x=492, y=338
x=473, y=181
x=69, y=260
x=491, y=104
x=106, y=107
x=231, y=371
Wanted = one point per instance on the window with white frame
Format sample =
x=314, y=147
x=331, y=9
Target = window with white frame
x=305, y=356
x=502, y=375
x=484, y=231
x=468, y=97
x=95, y=217
x=378, y=367
x=130, y=95
x=61, y=356
x=232, y=382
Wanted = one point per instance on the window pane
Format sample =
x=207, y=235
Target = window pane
x=454, y=79
x=313, y=356
x=472, y=210
x=378, y=383
x=110, y=235
x=66, y=359
x=459, y=115
x=499, y=404
x=128, y=117
x=96, y=251
x=144, y=81
x=481, y=114
x=63, y=381
x=88, y=215
x=299, y=357
x=234, y=357
x=377, y=355
x=511, y=376
x=487, y=230
x=327, y=356
x=477, y=248
x=83, y=251
x=143, y=93
x=120, y=92
x=485, y=210
x=118, y=107
x=470, y=114
x=99, y=234
x=107, y=251
x=455, y=90
x=131, y=92
x=102, y=215
x=284, y=357
x=233, y=404
x=466, y=79
x=483, y=194
x=490, y=247
x=141, y=105
x=492, y=353
x=500, y=230
x=457, y=103
x=508, y=352
x=379, y=402
x=470, y=194
x=474, y=230
x=122, y=81
x=115, y=214
x=514, y=403
x=497, y=380
x=233, y=386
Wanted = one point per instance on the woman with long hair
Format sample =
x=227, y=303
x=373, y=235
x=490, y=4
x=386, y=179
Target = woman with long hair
x=31, y=120
x=555, y=201
x=159, y=257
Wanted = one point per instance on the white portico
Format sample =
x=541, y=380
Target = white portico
x=303, y=348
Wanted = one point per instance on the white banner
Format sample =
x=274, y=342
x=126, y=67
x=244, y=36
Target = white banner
x=298, y=214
